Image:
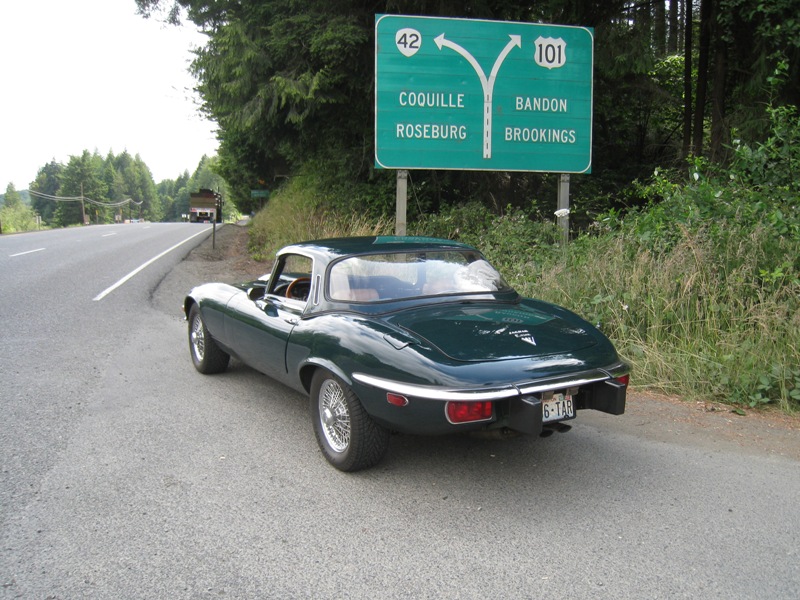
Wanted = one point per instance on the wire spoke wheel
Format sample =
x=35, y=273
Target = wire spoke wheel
x=348, y=437
x=334, y=415
x=197, y=338
x=207, y=356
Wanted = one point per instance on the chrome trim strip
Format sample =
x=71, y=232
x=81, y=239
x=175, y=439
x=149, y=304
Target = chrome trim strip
x=443, y=394
x=502, y=392
x=316, y=290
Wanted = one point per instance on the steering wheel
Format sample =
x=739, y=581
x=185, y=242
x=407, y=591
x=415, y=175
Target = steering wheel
x=293, y=285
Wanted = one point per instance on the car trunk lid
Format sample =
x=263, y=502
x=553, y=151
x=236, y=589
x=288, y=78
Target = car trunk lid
x=475, y=332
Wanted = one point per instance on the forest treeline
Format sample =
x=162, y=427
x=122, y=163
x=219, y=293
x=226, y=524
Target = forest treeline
x=102, y=189
x=290, y=86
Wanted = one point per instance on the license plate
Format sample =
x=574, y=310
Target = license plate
x=559, y=408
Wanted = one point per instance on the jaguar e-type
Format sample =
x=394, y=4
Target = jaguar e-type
x=403, y=334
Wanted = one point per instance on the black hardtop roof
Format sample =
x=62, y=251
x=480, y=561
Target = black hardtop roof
x=338, y=247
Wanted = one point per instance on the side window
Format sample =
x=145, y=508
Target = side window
x=292, y=277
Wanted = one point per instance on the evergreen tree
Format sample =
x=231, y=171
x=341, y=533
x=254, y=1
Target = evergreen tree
x=82, y=177
x=12, y=199
x=48, y=181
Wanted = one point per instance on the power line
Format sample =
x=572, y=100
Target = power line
x=86, y=199
x=58, y=198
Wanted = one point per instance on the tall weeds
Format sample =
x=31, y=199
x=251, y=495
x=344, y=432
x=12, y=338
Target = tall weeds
x=304, y=210
x=697, y=320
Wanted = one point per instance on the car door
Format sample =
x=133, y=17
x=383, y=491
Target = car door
x=259, y=331
x=259, y=328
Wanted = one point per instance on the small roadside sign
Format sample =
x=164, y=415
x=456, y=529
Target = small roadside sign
x=482, y=95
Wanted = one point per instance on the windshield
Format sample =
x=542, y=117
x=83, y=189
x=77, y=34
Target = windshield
x=403, y=275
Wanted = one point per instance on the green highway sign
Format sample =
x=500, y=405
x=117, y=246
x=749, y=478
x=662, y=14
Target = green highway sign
x=482, y=95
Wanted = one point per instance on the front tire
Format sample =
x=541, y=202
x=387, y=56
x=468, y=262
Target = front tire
x=348, y=437
x=207, y=356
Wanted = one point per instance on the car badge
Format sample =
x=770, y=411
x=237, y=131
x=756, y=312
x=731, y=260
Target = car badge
x=524, y=336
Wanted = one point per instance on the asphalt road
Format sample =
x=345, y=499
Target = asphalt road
x=126, y=474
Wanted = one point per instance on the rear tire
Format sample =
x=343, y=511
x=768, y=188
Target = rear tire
x=208, y=358
x=348, y=437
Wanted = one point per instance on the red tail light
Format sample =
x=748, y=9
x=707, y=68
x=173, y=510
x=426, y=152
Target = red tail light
x=466, y=412
x=624, y=380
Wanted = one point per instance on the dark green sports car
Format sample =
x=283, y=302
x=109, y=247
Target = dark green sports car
x=405, y=334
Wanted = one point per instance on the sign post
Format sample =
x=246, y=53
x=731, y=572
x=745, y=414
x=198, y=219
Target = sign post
x=401, y=202
x=562, y=207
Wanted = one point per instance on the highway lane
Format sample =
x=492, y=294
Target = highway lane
x=95, y=255
x=56, y=341
x=144, y=479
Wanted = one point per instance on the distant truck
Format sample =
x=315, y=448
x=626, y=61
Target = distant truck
x=205, y=206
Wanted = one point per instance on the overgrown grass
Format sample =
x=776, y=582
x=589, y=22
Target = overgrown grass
x=697, y=320
x=305, y=210
x=700, y=291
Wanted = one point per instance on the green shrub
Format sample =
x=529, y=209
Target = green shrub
x=697, y=320
x=463, y=223
x=17, y=218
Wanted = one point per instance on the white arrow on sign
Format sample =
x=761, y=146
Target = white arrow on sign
x=486, y=84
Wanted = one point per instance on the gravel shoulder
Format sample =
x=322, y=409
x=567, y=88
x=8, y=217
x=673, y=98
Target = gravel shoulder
x=654, y=416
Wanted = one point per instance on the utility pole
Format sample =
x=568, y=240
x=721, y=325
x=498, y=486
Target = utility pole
x=217, y=217
x=83, y=208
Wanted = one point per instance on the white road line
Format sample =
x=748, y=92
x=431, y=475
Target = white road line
x=26, y=252
x=108, y=290
x=109, y=234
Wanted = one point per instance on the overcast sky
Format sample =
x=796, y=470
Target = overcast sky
x=93, y=75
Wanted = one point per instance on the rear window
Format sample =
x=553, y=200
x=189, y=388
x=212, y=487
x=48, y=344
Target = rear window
x=403, y=275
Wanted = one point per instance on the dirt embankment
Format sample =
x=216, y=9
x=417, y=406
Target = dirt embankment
x=227, y=259
x=669, y=419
